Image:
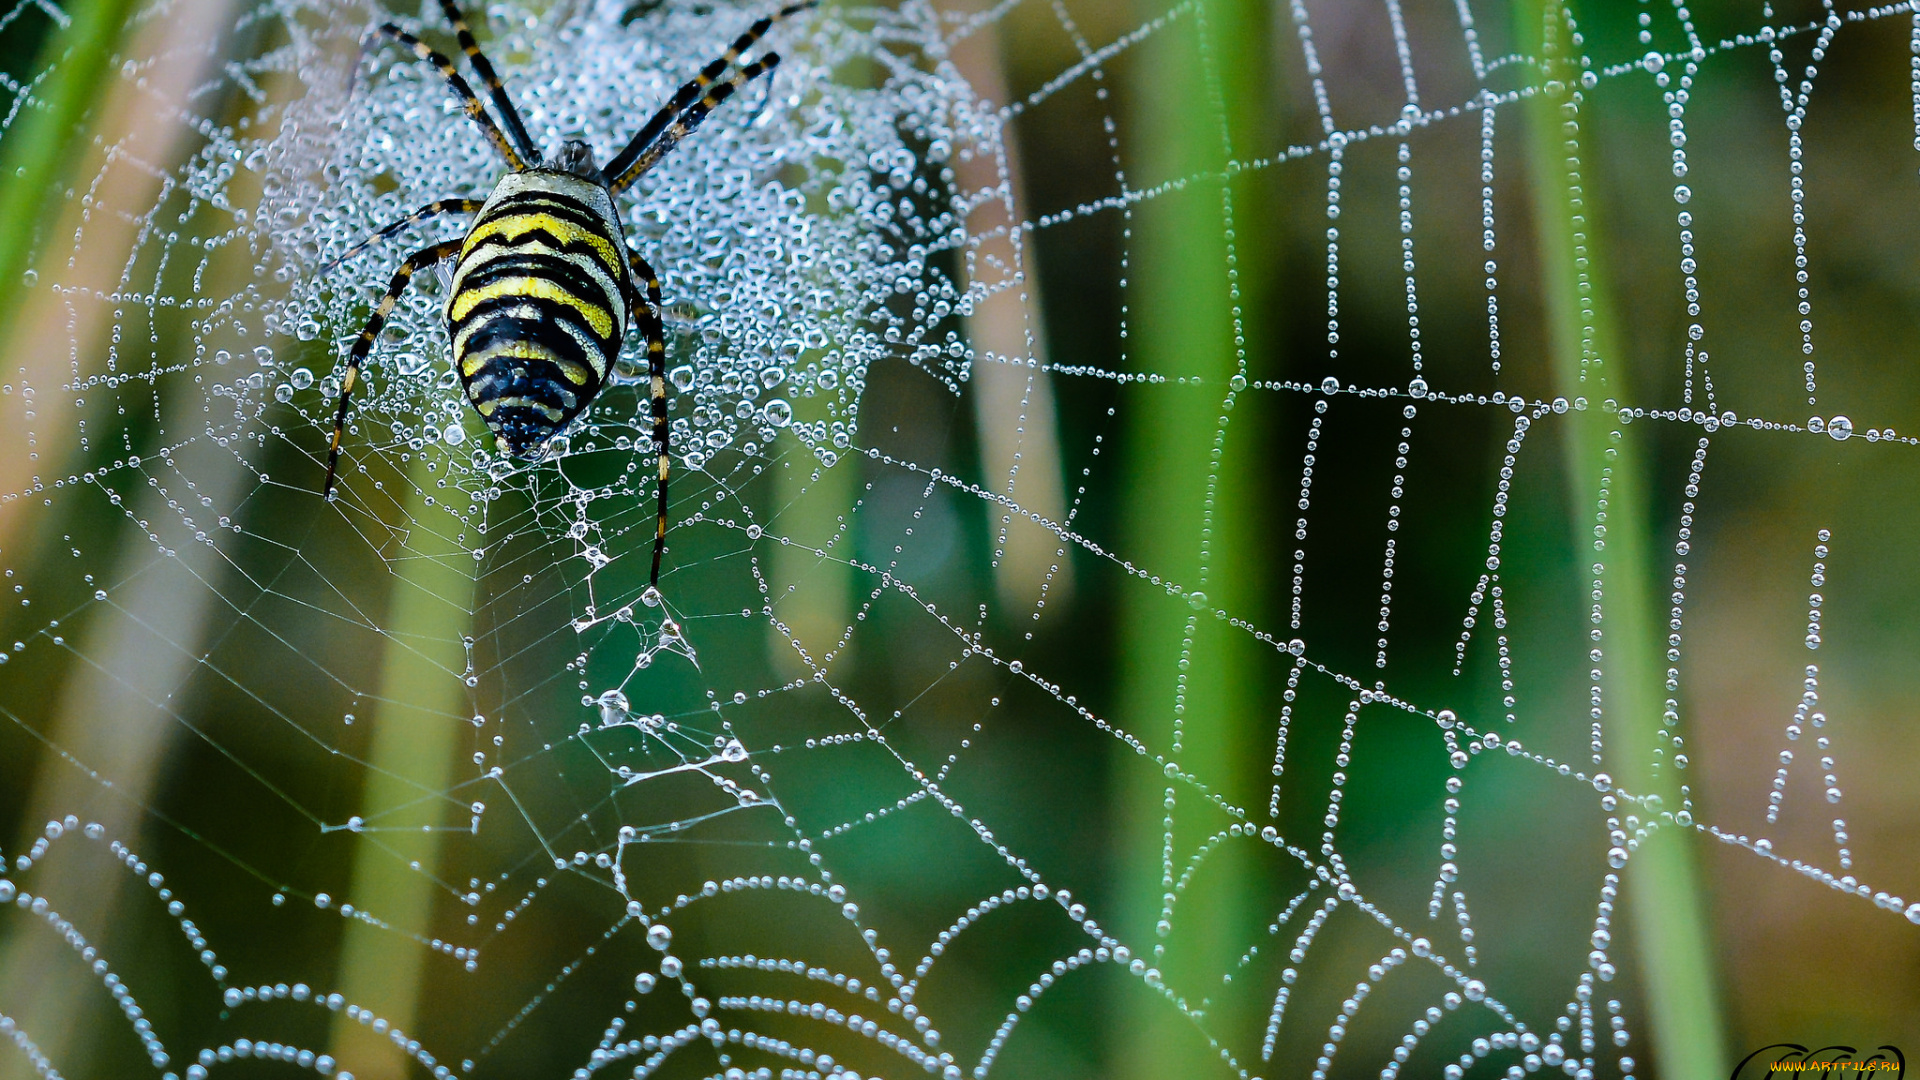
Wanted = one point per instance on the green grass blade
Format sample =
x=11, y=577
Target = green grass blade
x=1606, y=467
x=1190, y=684
x=36, y=150
x=417, y=730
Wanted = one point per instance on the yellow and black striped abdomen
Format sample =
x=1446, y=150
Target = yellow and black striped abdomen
x=539, y=305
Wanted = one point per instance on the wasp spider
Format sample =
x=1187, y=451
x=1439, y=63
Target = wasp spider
x=544, y=284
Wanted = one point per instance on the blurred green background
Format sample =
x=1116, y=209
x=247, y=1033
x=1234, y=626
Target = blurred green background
x=222, y=712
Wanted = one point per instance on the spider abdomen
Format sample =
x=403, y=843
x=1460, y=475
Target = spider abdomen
x=538, y=305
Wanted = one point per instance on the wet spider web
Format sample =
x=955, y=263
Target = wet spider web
x=822, y=804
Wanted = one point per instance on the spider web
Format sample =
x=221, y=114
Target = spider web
x=857, y=791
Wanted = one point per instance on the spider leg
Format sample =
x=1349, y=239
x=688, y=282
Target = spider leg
x=690, y=91
x=648, y=316
x=516, y=130
x=364, y=345
x=690, y=120
x=464, y=206
x=461, y=90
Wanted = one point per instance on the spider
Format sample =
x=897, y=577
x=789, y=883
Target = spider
x=541, y=294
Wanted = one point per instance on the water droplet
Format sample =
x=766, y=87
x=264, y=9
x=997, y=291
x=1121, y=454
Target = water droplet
x=779, y=413
x=1840, y=428
x=1682, y=193
x=660, y=936
x=1418, y=387
x=613, y=707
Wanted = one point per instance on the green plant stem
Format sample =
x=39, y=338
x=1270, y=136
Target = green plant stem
x=417, y=725
x=1188, y=684
x=812, y=504
x=1606, y=470
x=42, y=141
x=812, y=594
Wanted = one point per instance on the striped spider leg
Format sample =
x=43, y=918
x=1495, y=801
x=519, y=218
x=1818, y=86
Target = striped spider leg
x=674, y=121
x=651, y=324
x=364, y=344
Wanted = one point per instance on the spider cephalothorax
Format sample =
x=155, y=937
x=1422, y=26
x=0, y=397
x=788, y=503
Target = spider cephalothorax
x=544, y=286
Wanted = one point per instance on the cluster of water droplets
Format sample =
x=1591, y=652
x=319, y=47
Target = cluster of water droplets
x=797, y=234
x=801, y=235
x=237, y=997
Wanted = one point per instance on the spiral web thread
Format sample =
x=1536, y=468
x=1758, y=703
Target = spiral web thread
x=813, y=231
